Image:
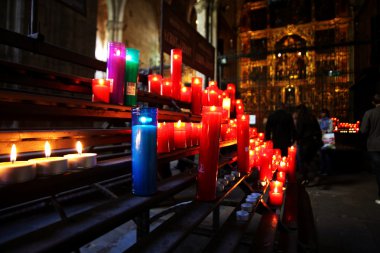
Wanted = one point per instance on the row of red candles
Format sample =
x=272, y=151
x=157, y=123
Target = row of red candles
x=180, y=135
x=211, y=96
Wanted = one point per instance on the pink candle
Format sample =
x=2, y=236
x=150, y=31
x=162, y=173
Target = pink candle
x=116, y=71
x=154, y=84
x=176, y=72
x=167, y=87
x=243, y=143
x=186, y=94
x=162, y=138
x=275, y=197
x=101, y=90
x=180, y=135
x=196, y=95
x=209, y=153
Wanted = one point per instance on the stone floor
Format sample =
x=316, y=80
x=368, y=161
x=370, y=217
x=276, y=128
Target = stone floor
x=346, y=216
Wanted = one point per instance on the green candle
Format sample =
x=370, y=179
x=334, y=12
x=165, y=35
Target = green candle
x=131, y=73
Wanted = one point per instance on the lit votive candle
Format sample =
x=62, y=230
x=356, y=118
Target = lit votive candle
x=180, y=135
x=101, y=90
x=81, y=160
x=16, y=171
x=275, y=197
x=50, y=165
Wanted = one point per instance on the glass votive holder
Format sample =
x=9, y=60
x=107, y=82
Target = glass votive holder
x=242, y=215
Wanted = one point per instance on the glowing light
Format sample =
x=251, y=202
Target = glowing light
x=13, y=153
x=144, y=119
x=79, y=147
x=47, y=149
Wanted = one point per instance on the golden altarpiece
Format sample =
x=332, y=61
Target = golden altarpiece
x=307, y=63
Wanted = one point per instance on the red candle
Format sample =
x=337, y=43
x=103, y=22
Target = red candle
x=188, y=135
x=282, y=166
x=231, y=91
x=239, y=109
x=276, y=184
x=196, y=95
x=292, y=164
x=252, y=132
x=167, y=87
x=162, y=138
x=101, y=90
x=223, y=132
x=275, y=197
x=180, y=135
x=209, y=153
x=226, y=108
x=205, y=98
x=154, y=84
x=243, y=143
x=186, y=94
x=281, y=177
x=213, y=99
x=194, y=134
x=170, y=127
x=176, y=72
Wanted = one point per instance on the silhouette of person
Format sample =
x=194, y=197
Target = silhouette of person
x=281, y=130
x=370, y=126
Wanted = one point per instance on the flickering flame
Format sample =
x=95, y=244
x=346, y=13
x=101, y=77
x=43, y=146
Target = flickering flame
x=101, y=81
x=243, y=117
x=197, y=81
x=13, y=153
x=155, y=78
x=79, y=147
x=47, y=149
x=176, y=56
x=159, y=125
x=213, y=108
x=179, y=123
x=212, y=83
x=184, y=89
x=282, y=164
x=275, y=190
x=118, y=52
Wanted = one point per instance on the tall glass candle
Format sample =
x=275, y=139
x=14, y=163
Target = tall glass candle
x=243, y=143
x=196, y=95
x=239, y=107
x=189, y=129
x=180, y=135
x=144, y=151
x=209, y=153
x=176, y=72
x=186, y=94
x=170, y=127
x=292, y=164
x=131, y=73
x=101, y=90
x=167, y=87
x=154, y=84
x=162, y=138
x=116, y=71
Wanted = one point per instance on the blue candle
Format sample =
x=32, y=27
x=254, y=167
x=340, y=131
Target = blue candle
x=144, y=151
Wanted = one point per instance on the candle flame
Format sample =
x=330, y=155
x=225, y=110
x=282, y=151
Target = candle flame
x=176, y=56
x=275, y=190
x=197, y=81
x=118, y=52
x=159, y=125
x=47, y=149
x=101, y=81
x=13, y=153
x=238, y=101
x=79, y=147
x=229, y=87
x=243, y=117
x=212, y=83
x=179, y=123
x=184, y=89
x=155, y=78
x=213, y=108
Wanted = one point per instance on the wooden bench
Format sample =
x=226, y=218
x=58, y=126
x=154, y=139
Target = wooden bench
x=41, y=105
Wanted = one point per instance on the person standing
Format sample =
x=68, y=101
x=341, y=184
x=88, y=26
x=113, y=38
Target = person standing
x=309, y=142
x=281, y=130
x=326, y=126
x=370, y=126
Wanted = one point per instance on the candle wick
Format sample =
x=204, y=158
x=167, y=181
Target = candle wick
x=13, y=161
